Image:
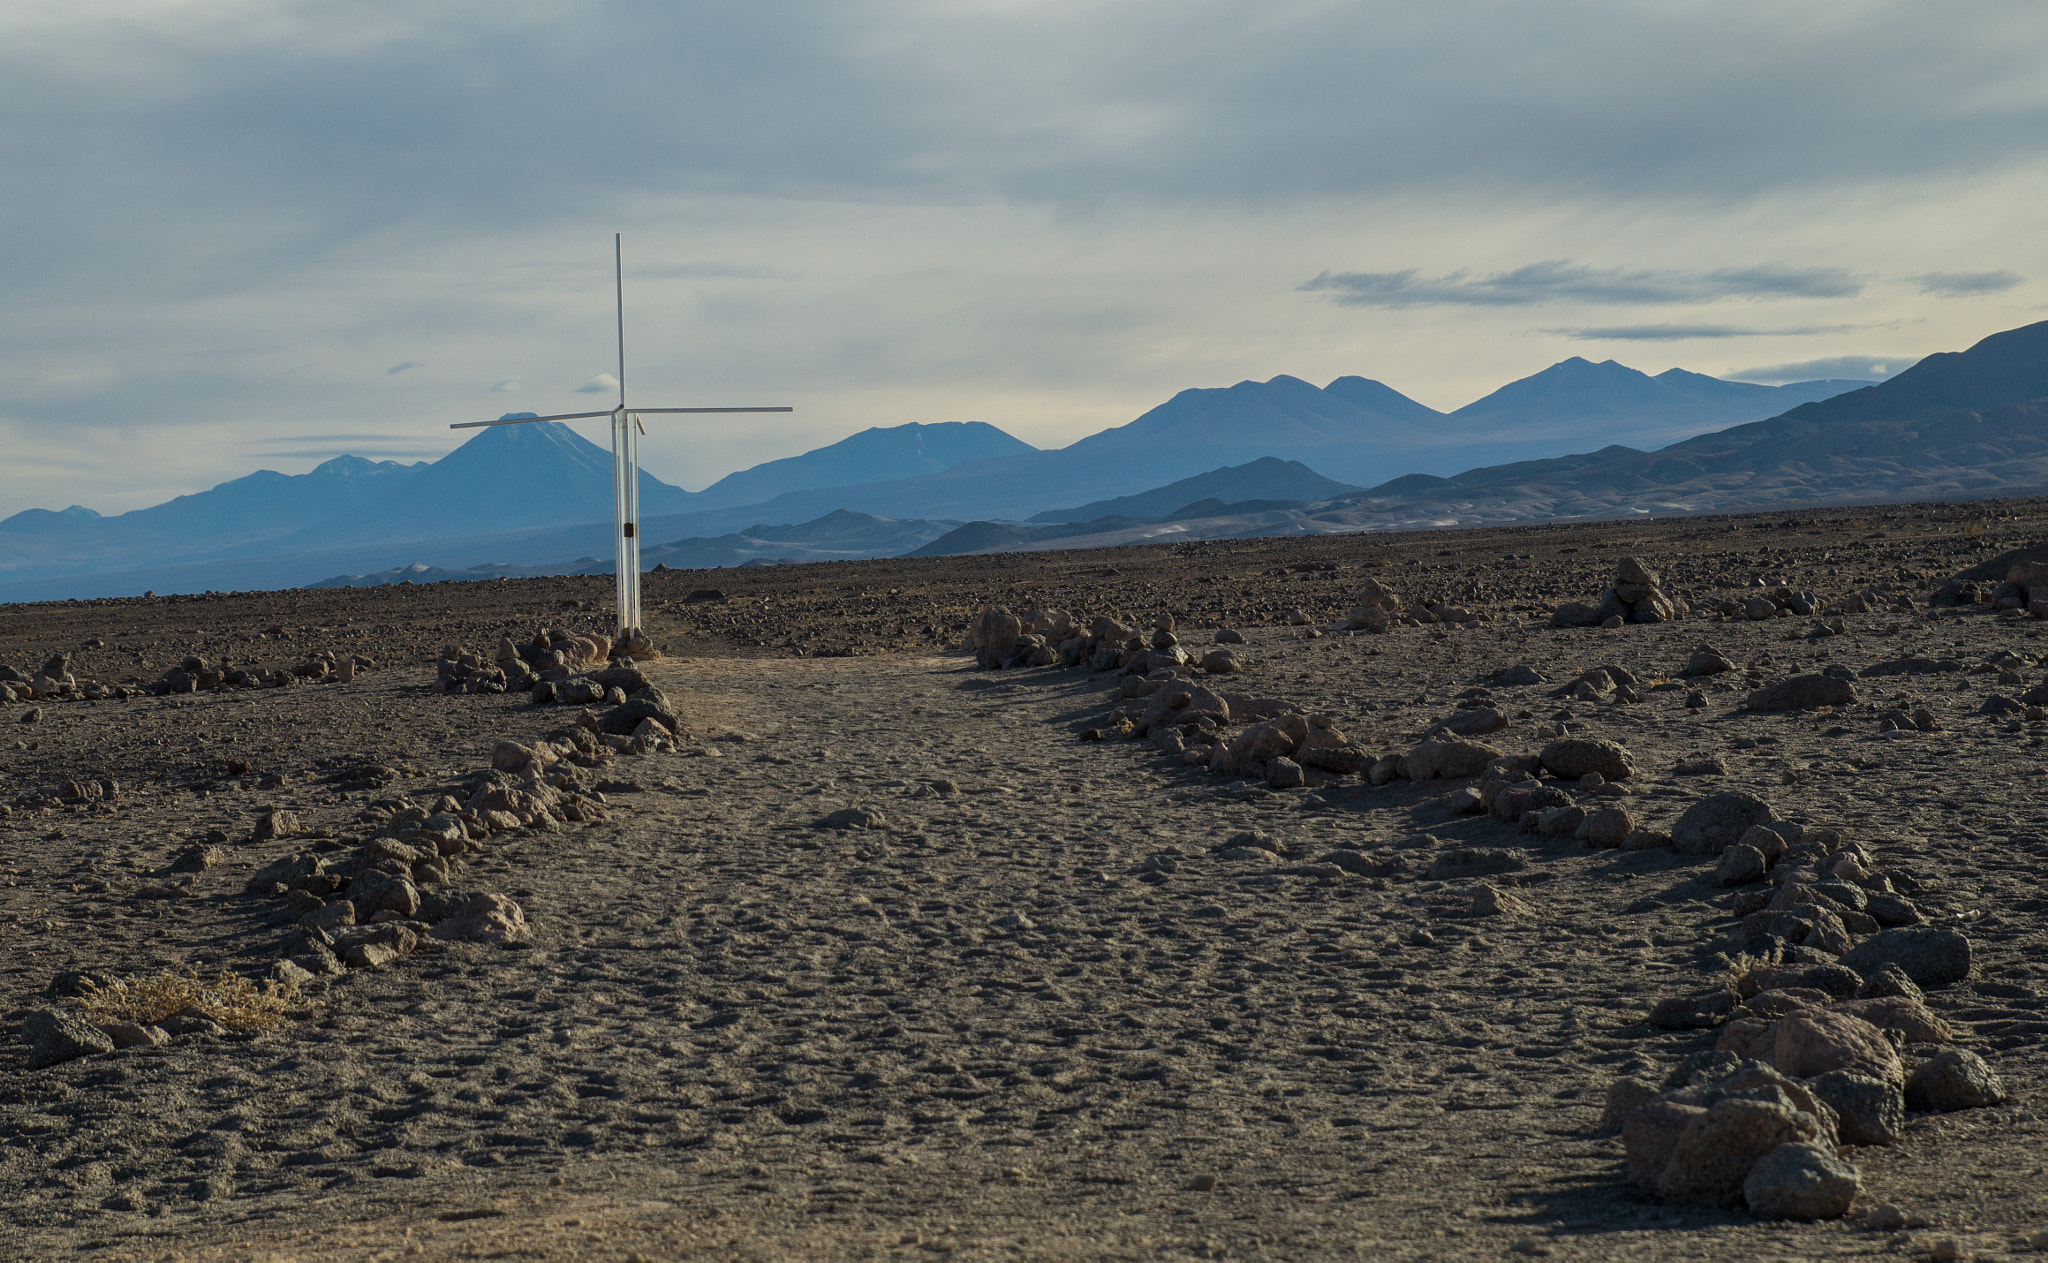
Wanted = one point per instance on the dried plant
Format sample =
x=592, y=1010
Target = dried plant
x=229, y=999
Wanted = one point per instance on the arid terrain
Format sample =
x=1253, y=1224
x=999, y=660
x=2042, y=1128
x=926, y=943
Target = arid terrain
x=1046, y=997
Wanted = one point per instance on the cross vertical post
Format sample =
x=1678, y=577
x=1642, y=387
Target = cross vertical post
x=626, y=431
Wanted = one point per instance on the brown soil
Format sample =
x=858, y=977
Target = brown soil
x=979, y=1029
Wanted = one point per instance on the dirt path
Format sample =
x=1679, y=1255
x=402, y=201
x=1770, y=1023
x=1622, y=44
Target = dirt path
x=978, y=1029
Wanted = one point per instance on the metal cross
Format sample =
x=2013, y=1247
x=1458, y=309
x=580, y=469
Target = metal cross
x=626, y=429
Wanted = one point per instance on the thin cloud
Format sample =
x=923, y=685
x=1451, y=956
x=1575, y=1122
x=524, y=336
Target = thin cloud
x=406, y=367
x=1563, y=280
x=1874, y=368
x=1682, y=333
x=602, y=384
x=506, y=387
x=1965, y=284
x=706, y=272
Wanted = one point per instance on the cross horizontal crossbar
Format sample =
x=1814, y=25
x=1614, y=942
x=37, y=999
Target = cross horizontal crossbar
x=578, y=416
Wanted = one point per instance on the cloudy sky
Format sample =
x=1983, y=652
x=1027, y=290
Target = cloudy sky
x=244, y=234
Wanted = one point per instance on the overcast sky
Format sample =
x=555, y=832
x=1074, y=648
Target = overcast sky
x=243, y=235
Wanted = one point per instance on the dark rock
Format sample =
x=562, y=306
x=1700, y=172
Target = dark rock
x=1803, y=692
x=1710, y=825
x=1956, y=1079
x=1868, y=1111
x=1930, y=956
x=54, y=1037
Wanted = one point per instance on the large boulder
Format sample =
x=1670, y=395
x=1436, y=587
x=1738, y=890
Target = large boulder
x=55, y=1037
x=1813, y=1042
x=1715, y=1153
x=1711, y=824
x=1178, y=703
x=1954, y=1080
x=1929, y=955
x=1573, y=757
x=1803, y=692
x=1447, y=759
x=648, y=703
x=1800, y=1181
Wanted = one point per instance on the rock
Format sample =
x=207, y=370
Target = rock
x=1608, y=827
x=1521, y=675
x=1766, y=840
x=369, y=955
x=1475, y=721
x=1649, y=1134
x=1803, y=692
x=1575, y=614
x=1800, y=1181
x=1488, y=901
x=1625, y=1097
x=1254, y=854
x=1911, y=1018
x=1573, y=757
x=1929, y=956
x=645, y=703
x=337, y=913
x=487, y=918
x=1702, y=1010
x=1711, y=824
x=374, y=893
x=1229, y=636
x=1221, y=662
x=33, y=714
x=1956, y=1079
x=1178, y=702
x=277, y=824
x=131, y=1035
x=1815, y=1041
x=1868, y=1111
x=1713, y=1157
x=1467, y=862
x=1740, y=865
x=54, y=1037
x=1632, y=570
x=290, y=976
x=198, y=858
x=1707, y=660
x=1285, y=773
x=1447, y=759
x=1892, y=910
x=1889, y=980
x=854, y=818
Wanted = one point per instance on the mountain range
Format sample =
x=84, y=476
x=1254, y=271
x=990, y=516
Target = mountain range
x=1257, y=457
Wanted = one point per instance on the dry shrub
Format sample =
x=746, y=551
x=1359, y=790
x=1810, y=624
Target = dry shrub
x=233, y=1001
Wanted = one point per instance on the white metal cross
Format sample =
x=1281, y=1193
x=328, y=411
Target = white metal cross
x=626, y=429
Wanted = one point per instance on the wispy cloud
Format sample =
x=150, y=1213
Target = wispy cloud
x=1563, y=280
x=406, y=367
x=1683, y=333
x=1965, y=284
x=706, y=272
x=602, y=384
x=1853, y=367
x=506, y=387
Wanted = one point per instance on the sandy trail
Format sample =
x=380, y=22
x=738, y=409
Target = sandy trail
x=980, y=1031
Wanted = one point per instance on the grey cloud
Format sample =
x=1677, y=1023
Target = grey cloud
x=1562, y=280
x=1851, y=367
x=405, y=367
x=602, y=384
x=1966, y=284
x=1683, y=333
x=506, y=387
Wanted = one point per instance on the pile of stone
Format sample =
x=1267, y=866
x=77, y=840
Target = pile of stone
x=1825, y=1037
x=555, y=666
x=2024, y=590
x=392, y=888
x=1770, y=603
x=1381, y=609
x=200, y=675
x=1634, y=598
x=1056, y=638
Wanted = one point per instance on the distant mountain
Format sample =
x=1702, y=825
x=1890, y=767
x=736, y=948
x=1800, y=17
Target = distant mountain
x=253, y=509
x=1579, y=403
x=508, y=477
x=1267, y=478
x=839, y=536
x=1954, y=427
x=873, y=455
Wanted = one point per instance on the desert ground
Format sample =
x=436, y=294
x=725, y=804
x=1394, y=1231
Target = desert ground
x=1039, y=1002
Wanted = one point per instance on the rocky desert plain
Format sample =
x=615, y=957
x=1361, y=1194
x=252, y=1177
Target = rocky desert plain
x=1656, y=889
